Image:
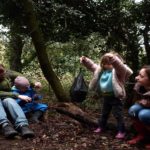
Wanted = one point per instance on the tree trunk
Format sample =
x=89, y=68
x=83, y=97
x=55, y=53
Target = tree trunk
x=132, y=50
x=76, y=113
x=16, y=45
x=36, y=34
x=146, y=42
x=39, y=43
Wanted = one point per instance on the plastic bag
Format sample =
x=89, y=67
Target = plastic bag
x=79, y=89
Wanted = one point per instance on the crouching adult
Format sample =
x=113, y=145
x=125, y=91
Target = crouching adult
x=140, y=111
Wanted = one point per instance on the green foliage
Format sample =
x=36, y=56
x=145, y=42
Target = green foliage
x=65, y=56
x=3, y=51
x=92, y=104
x=77, y=27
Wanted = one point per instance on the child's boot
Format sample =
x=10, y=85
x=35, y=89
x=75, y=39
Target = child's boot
x=35, y=116
x=98, y=130
x=136, y=139
x=120, y=135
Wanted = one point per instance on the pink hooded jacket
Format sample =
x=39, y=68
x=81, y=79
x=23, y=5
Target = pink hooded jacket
x=120, y=75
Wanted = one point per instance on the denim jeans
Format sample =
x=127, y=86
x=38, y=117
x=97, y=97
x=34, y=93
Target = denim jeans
x=140, y=112
x=3, y=116
x=14, y=110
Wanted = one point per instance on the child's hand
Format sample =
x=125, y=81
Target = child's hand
x=37, y=85
x=82, y=58
x=25, y=98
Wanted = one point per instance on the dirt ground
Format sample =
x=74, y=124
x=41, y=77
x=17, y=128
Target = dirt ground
x=59, y=132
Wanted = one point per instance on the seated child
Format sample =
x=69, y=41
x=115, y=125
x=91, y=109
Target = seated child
x=22, y=87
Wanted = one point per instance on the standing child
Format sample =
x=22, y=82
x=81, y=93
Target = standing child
x=22, y=87
x=140, y=111
x=109, y=80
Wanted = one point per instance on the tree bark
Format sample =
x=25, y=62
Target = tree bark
x=76, y=113
x=16, y=45
x=39, y=43
x=66, y=108
x=146, y=42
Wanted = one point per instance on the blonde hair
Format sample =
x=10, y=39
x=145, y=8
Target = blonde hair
x=105, y=60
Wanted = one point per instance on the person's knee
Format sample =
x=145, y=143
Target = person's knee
x=134, y=110
x=8, y=101
x=144, y=116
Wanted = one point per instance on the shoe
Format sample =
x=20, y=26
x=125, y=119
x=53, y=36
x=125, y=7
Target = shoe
x=136, y=139
x=26, y=132
x=120, y=135
x=33, y=120
x=98, y=130
x=9, y=131
x=35, y=117
x=147, y=146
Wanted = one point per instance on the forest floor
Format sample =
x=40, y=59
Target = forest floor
x=60, y=132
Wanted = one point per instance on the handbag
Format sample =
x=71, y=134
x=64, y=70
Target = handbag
x=79, y=88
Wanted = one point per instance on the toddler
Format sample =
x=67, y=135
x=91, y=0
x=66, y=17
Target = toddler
x=30, y=105
x=108, y=81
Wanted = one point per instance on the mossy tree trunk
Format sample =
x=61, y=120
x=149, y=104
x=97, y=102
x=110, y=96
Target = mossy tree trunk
x=15, y=50
x=67, y=108
x=146, y=42
x=39, y=43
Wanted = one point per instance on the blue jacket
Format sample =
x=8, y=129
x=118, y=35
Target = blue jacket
x=30, y=106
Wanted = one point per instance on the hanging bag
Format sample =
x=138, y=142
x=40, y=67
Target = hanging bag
x=79, y=89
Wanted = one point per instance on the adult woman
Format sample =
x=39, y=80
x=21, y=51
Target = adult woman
x=140, y=111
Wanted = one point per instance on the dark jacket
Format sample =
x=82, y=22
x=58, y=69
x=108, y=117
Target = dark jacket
x=141, y=92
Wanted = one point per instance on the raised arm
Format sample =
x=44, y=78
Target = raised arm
x=88, y=63
x=122, y=70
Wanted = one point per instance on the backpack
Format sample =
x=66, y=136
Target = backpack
x=79, y=89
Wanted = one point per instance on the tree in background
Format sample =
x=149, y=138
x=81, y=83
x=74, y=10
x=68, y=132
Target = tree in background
x=114, y=21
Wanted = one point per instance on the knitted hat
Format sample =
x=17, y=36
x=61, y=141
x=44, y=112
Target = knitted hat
x=21, y=81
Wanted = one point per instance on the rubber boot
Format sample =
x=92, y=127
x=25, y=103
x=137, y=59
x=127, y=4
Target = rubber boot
x=140, y=128
x=25, y=131
x=35, y=116
x=147, y=146
x=9, y=131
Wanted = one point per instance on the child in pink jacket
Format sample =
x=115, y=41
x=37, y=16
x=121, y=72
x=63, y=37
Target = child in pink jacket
x=109, y=80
